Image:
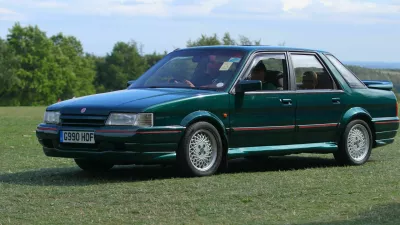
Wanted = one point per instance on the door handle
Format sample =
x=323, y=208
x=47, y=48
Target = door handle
x=286, y=102
x=336, y=100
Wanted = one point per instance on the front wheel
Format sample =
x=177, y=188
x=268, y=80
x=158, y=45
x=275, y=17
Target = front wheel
x=201, y=150
x=356, y=144
x=93, y=166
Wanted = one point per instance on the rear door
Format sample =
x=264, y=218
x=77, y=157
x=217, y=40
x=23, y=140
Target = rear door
x=319, y=99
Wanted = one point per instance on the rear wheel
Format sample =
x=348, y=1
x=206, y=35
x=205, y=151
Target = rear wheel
x=356, y=144
x=200, y=152
x=93, y=165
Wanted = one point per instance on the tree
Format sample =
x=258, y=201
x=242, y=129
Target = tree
x=79, y=69
x=8, y=77
x=205, y=40
x=40, y=79
x=46, y=68
x=123, y=64
x=243, y=40
x=153, y=58
x=227, y=40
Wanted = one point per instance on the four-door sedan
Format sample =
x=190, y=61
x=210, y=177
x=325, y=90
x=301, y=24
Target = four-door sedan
x=200, y=107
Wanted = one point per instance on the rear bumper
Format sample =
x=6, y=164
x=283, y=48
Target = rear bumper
x=122, y=145
x=385, y=130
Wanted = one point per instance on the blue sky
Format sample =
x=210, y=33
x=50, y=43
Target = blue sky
x=351, y=29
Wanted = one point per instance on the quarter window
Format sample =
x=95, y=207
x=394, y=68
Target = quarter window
x=350, y=78
x=310, y=74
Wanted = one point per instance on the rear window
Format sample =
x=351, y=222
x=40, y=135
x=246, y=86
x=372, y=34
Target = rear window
x=350, y=78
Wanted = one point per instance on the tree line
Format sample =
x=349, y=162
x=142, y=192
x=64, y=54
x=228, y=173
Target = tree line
x=36, y=69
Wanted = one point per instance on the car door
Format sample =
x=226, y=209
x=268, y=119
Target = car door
x=319, y=106
x=265, y=117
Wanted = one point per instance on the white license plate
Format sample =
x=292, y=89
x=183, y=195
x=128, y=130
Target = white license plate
x=82, y=137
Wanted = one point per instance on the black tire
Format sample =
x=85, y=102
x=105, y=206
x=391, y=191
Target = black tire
x=93, y=166
x=186, y=165
x=347, y=156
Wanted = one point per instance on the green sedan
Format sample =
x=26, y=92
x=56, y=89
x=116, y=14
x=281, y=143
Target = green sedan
x=199, y=107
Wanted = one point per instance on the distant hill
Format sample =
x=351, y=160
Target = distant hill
x=375, y=65
x=363, y=73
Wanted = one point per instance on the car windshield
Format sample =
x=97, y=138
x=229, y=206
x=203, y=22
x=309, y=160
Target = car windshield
x=212, y=69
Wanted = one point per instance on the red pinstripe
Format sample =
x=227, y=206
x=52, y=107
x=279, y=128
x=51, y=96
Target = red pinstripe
x=388, y=122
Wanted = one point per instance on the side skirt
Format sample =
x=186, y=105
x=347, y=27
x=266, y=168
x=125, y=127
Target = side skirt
x=383, y=142
x=320, y=148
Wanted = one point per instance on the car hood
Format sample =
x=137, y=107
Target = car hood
x=133, y=100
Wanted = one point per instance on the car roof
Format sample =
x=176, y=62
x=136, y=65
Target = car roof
x=254, y=48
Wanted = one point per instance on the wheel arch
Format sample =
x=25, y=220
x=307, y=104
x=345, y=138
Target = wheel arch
x=211, y=118
x=357, y=113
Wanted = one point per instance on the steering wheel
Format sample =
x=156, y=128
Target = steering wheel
x=173, y=80
x=180, y=81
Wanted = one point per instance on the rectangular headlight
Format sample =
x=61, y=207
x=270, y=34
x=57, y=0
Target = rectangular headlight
x=130, y=119
x=51, y=117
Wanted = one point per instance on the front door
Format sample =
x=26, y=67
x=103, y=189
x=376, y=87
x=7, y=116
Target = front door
x=265, y=117
x=319, y=100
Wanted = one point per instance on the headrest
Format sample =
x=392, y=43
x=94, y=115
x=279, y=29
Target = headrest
x=275, y=77
x=324, y=81
x=260, y=66
x=310, y=76
x=310, y=80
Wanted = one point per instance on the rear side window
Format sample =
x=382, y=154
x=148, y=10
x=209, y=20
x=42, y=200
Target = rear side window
x=310, y=73
x=350, y=78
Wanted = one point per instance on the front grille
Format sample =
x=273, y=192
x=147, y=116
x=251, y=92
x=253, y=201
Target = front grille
x=83, y=121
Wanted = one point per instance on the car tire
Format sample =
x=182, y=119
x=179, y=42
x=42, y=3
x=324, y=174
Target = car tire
x=200, y=151
x=355, y=145
x=93, y=166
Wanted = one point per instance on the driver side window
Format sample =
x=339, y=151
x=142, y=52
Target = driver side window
x=271, y=70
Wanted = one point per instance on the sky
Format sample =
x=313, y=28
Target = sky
x=353, y=30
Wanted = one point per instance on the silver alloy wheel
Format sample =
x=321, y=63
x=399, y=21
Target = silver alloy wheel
x=202, y=150
x=358, y=142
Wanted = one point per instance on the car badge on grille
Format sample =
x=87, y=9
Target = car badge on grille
x=83, y=110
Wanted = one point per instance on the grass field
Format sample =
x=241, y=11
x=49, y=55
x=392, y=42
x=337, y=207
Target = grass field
x=303, y=189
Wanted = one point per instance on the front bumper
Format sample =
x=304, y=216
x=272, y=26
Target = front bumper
x=118, y=144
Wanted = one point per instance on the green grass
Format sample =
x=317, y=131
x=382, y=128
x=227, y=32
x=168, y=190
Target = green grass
x=303, y=189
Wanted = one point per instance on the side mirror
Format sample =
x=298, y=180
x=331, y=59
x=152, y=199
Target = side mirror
x=248, y=85
x=130, y=82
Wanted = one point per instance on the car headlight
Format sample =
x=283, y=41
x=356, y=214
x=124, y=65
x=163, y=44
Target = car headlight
x=51, y=117
x=130, y=119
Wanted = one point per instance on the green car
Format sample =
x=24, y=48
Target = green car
x=199, y=107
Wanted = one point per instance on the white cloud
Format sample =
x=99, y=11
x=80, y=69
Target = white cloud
x=51, y=4
x=9, y=15
x=322, y=10
x=362, y=7
x=126, y=7
x=289, y=5
x=202, y=8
